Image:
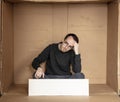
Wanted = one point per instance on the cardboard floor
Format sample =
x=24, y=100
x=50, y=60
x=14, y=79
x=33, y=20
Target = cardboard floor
x=98, y=93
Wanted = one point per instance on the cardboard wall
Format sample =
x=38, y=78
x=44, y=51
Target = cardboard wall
x=119, y=49
x=37, y=25
x=0, y=45
x=73, y=1
x=112, y=46
x=7, y=46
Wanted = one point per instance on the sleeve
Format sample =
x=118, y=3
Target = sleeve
x=42, y=57
x=76, y=63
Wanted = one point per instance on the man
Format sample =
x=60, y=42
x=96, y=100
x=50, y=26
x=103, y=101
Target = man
x=59, y=58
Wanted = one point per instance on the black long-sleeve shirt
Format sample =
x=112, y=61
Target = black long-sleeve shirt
x=58, y=62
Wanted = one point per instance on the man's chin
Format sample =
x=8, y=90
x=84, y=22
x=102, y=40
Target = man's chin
x=64, y=51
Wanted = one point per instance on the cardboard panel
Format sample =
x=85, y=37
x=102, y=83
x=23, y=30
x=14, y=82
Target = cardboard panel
x=7, y=45
x=0, y=21
x=32, y=33
x=0, y=47
x=59, y=20
x=112, y=46
x=60, y=1
x=89, y=22
x=37, y=25
x=119, y=50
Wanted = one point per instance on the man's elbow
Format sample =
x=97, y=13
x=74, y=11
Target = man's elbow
x=77, y=70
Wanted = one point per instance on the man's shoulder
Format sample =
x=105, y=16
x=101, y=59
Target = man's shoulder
x=53, y=44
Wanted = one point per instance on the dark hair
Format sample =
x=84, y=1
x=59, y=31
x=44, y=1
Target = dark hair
x=74, y=37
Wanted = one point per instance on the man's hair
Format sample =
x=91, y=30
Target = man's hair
x=73, y=35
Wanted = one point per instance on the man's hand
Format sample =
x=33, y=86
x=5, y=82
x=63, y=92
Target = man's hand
x=76, y=48
x=39, y=73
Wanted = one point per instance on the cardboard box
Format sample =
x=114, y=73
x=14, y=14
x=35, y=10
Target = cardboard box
x=27, y=28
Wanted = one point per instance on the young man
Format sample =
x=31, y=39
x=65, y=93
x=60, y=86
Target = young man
x=59, y=58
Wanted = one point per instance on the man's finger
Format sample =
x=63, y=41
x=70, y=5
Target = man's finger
x=37, y=75
x=43, y=75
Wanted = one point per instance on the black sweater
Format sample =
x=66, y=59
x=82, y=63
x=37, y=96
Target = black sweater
x=57, y=62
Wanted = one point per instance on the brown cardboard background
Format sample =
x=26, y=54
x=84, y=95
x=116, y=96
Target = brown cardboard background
x=112, y=46
x=7, y=46
x=119, y=51
x=89, y=22
x=37, y=25
x=73, y=1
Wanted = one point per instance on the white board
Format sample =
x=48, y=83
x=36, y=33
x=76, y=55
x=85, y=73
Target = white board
x=38, y=87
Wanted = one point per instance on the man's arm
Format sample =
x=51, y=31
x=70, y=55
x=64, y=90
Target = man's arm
x=38, y=60
x=42, y=57
x=76, y=48
x=76, y=59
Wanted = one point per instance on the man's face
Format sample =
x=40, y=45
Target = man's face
x=68, y=44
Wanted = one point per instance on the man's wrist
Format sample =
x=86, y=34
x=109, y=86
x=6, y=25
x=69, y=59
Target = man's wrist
x=39, y=68
x=76, y=53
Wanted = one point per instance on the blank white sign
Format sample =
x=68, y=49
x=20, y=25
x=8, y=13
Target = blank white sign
x=38, y=87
